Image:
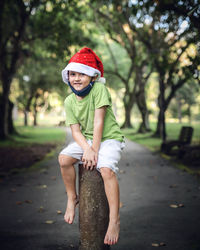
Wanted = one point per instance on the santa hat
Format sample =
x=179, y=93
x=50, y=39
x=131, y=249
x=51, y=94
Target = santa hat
x=87, y=62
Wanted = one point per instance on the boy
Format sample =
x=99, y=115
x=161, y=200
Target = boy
x=98, y=139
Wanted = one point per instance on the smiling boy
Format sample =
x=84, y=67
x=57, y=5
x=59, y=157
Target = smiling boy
x=98, y=141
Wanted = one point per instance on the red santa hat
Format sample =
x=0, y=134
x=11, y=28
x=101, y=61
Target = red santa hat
x=87, y=62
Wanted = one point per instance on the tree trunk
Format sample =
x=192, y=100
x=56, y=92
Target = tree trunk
x=161, y=129
x=35, y=117
x=93, y=210
x=141, y=103
x=25, y=118
x=144, y=125
x=35, y=110
x=4, y=130
x=27, y=108
x=127, y=122
x=3, y=120
x=189, y=113
x=11, y=128
x=179, y=109
x=128, y=105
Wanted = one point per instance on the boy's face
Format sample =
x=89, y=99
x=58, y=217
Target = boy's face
x=79, y=80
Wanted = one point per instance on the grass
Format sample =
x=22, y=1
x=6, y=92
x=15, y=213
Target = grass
x=30, y=135
x=154, y=143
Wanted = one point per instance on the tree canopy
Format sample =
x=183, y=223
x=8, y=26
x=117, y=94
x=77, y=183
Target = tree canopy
x=53, y=25
x=138, y=40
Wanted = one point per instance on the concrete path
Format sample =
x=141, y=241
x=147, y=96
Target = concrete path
x=31, y=206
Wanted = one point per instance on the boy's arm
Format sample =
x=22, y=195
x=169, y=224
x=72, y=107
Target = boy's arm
x=89, y=156
x=98, y=128
x=78, y=136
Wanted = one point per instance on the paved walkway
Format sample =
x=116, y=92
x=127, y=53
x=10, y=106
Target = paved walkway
x=31, y=204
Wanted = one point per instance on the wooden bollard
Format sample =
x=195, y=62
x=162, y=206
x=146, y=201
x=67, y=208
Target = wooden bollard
x=93, y=210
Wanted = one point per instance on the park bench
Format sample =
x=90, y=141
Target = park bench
x=190, y=153
x=184, y=139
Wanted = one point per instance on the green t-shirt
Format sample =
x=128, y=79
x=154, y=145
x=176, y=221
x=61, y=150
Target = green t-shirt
x=82, y=112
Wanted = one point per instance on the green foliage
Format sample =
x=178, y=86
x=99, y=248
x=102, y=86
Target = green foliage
x=28, y=28
x=186, y=97
x=122, y=60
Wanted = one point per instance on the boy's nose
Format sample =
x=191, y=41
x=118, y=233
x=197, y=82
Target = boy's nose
x=77, y=77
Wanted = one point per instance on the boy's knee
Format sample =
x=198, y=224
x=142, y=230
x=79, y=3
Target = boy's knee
x=63, y=161
x=107, y=173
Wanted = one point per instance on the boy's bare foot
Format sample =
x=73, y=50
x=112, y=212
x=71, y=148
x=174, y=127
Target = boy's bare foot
x=70, y=210
x=112, y=234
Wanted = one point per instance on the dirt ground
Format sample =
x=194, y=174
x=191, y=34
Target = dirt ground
x=22, y=157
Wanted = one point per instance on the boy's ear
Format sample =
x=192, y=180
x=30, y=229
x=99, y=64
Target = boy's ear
x=94, y=78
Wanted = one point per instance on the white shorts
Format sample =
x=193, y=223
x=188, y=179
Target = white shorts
x=109, y=153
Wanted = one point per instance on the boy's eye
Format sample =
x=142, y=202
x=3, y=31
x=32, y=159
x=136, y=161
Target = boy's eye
x=82, y=74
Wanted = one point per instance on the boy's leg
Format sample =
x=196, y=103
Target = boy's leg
x=112, y=193
x=69, y=177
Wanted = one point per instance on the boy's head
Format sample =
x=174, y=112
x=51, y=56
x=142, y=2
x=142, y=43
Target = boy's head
x=80, y=83
x=87, y=62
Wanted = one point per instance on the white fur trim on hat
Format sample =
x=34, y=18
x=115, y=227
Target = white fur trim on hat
x=81, y=68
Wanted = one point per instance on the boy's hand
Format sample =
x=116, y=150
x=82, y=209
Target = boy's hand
x=89, y=159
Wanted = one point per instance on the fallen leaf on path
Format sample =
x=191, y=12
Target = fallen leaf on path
x=121, y=204
x=176, y=205
x=13, y=190
x=53, y=178
x=161, y=244
x=19, y=202
x=155, y=245
x=173, y=186
x=59, y=212
x=29, y=201
x=49, y=221
x=121, y=171
x=173, y=205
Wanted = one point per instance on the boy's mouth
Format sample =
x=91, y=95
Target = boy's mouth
x=78, y=84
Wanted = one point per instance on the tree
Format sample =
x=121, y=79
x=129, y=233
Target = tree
x=30, y=24
x=166, y=38
x=169, y=46
x=184, y=99
x=114, y=17
x=35, y=78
